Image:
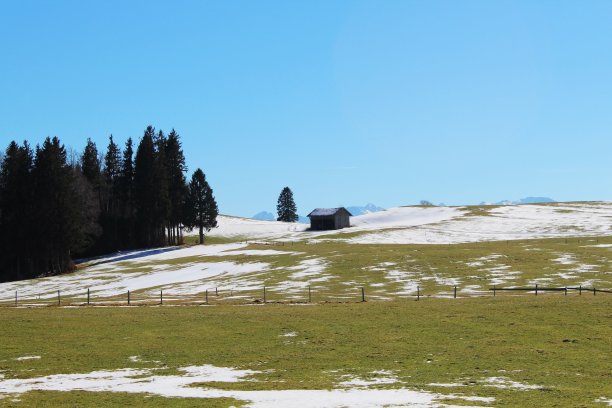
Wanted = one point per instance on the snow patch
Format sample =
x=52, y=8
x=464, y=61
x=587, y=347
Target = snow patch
x=505, y=382
x=604, y=400
x=145, y=381
x=27, y=358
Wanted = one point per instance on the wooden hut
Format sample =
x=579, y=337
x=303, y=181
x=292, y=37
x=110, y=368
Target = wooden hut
x=329, y=218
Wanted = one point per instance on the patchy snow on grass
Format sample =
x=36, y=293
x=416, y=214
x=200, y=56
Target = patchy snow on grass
x=377, y=378
x=181, y=385
x=191, y=277
x=27, y=358
x=565, y=259
x=438, y=226
x=308, y=268
x=505, y=382
x=446, y=385
x=604, y=400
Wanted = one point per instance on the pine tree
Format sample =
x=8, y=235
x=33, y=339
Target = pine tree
x=125, y=186
x=160, y=190
x=90, y=165
x=285, y=208
x=64, y=214
x=16, y=204
x=201, y=208
x=177, y=186
x=110, y=211
x=144, y=190
x=112, y=163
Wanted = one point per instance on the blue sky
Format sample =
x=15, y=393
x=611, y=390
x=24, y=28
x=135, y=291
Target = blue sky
x=346, y=102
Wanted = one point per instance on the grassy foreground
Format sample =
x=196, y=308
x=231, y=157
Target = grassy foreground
x=560, y=343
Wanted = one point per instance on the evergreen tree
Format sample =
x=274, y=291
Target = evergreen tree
x=112, y=163
x=201, y=208
x=177, y=186
x=161, y=194
x=64, y=214
x=144, y=190
x=126, y=198
x=16, y=204
x=90, y=165
x=285, y=208
x=110, y=211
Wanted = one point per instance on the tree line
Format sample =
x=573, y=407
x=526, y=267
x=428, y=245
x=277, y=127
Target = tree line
x=55, y=208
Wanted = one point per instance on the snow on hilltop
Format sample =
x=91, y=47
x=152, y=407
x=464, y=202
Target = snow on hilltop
x=195, y=269
x=442, y=225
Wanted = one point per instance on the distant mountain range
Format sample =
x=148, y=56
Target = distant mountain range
x=355, y=210
x=526, y=200
x=264, y=216
x=366, y=209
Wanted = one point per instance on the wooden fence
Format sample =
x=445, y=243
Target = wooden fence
x=255, y=296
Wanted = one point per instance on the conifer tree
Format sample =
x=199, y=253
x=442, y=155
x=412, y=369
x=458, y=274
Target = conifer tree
x=145, y=195
x=110, y=212
x=285, y=208
x=177, y=186
x=16, y=201
x=64, y=213
x=126, y=197
x=161, y=194
x=90, y=165
x=201, y=208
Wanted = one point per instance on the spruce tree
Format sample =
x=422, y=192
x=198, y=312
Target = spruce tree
x=285, y=208
x=145, y=196
x=160, y=190
x=127, y=230
x=177, y=185
x=90, y=165
x=110, y=211
x=16, y=205
x=64, y=213
x=201, y=208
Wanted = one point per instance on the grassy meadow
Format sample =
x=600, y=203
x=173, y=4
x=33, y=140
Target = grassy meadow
x=559, y=343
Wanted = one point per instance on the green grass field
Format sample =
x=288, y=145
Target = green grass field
x=560, y=343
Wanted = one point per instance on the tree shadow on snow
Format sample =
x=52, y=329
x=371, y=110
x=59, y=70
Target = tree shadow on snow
x=123, y=256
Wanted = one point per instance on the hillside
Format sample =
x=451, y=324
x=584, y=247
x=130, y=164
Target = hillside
x=441, y=225
x=562, y=244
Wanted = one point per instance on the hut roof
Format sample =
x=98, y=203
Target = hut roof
x=323, y=212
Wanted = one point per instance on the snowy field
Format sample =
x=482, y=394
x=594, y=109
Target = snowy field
x=290, y=259
x=443, y=225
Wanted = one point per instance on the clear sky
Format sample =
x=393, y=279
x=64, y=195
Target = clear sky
x=346, y=102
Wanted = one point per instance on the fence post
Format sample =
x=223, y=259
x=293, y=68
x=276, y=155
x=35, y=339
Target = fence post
x=455, y=293
x=87, y=296
x=580, y=290
x=161, y=296
x=216, y=291
x=59, y=299
x=536, y=289
x=418, y=293
x=206, y=296
x=594, y=290
x=15, y=298
x=493, y=290
x=309, y=295
x=128, y=297
x=566, y=291
x=264, y=294
x=362, y=294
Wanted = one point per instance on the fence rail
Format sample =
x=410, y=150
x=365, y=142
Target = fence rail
x=261, y=295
